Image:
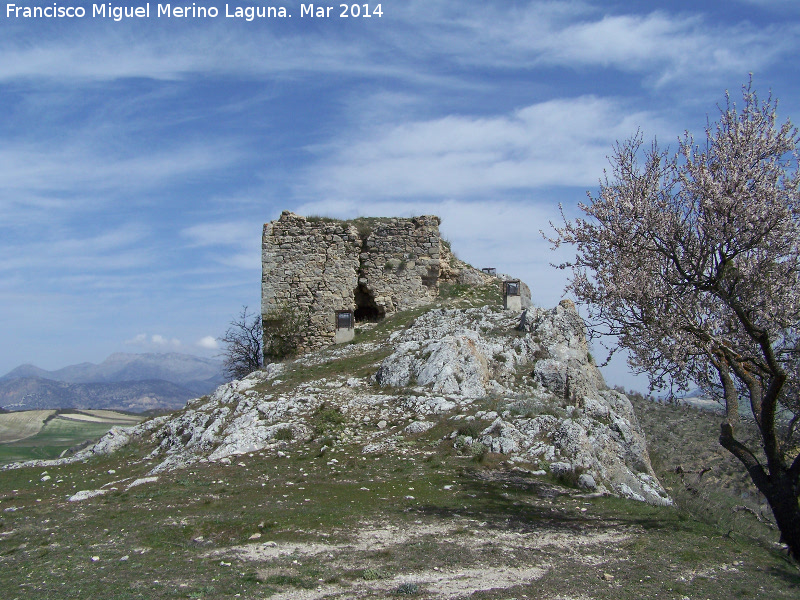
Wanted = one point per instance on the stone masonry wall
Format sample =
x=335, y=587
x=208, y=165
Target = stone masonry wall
x=373, y=267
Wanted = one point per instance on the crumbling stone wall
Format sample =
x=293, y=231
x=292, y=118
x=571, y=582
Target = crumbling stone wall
x=373, y=267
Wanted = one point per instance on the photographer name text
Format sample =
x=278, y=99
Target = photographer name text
x=193, y=11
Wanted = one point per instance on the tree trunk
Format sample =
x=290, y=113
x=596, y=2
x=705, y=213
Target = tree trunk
x=780, y=487
x=782, y=497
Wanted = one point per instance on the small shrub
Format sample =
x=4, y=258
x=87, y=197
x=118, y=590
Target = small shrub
x=321, y=219
x=541, y=354
x=328, y=420
x=372, y=574
x=284, y=434
x=289, y=580
x=408, y=588
x=554, y=411
x=470, y=430
x=479, y=451
x=252, y=578
x=364, y=229
x=452, y=290
x=460, y=443
x=283, y=331
x=570, y=478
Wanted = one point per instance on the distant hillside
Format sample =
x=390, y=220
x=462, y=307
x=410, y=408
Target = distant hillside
x=194, y=372
x=27, y=393
x=134, y=382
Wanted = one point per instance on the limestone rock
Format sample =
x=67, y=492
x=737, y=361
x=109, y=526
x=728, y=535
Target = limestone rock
x=533, y=395
x=418, y=427
x=472, y=353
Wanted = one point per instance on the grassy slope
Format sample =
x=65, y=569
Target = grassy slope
x=705, y=480
x=446, y=517
x=19, y=425
x=50, y=439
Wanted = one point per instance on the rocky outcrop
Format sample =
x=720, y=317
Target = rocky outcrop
x=555, y=407
x=479, y=380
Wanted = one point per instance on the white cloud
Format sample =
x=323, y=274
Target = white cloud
x=416, y=39
x=77, y=165
x=160, y=340
x=138, y=339
x=231, y=233
x=681, y=48
x=235, y=244
x=117, y=250
x=208, y=342
x=667, y=46
x=556, y=143
x=173, y=52
x=156, y=340
x=776, y=5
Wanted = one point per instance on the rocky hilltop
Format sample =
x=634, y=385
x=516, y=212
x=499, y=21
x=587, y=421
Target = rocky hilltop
x=480, y=380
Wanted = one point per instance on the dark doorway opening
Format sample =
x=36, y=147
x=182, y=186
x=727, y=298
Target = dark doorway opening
x=366, y=308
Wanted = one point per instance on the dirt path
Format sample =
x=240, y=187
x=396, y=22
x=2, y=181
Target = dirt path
x=479, y=544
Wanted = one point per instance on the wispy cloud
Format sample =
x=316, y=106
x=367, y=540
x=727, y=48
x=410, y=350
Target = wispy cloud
x=208, y=342
x=173, y=52
x=34, y=168
x=666, y=46
x=568, y=33
x=231, y=233
x=156, y=340
x=233, y=244
x=556, y=143
x=112, y=250
x=773, y=5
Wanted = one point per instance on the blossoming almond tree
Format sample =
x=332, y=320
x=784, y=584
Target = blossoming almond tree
x=692, y=261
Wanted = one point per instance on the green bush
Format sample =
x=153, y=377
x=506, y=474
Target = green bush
x=372, y=574
x=470, y=429
x=452, y=290
x=329, y=420
x=408, y=588
x=479, y=450
x=284, y=434
x=364, y=228
x=283, y=332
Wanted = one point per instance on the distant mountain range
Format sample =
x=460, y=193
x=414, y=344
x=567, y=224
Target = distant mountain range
x=132, y=382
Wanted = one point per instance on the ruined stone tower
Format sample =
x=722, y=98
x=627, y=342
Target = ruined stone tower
x=316, y=267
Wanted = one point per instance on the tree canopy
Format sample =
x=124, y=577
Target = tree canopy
x=692, y=261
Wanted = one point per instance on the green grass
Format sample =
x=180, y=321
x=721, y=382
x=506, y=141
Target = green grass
x=433, y=510
x=173, y=531
x=55, y=436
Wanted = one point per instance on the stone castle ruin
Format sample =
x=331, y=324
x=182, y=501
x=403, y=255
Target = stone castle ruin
x=328, y=274
x=335, y=273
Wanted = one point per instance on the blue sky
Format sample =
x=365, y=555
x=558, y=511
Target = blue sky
x=140, y=158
